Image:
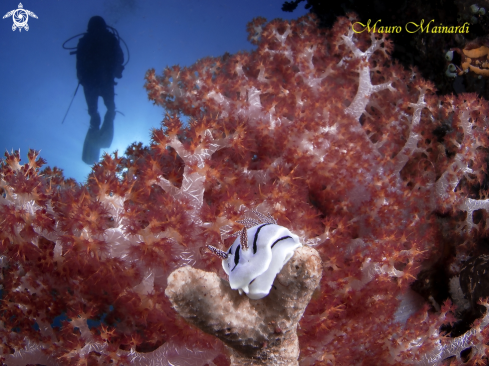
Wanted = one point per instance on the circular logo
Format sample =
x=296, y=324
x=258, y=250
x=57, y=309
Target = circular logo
x=20, y=18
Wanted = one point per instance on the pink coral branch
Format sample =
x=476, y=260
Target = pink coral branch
x=353, y=154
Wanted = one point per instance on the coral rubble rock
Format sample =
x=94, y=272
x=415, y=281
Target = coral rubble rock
x=258, y=332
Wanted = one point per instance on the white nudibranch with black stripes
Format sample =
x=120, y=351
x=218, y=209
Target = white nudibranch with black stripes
x=257, y=255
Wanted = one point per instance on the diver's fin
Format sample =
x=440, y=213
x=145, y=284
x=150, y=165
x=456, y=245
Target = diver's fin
x=107, y=130
x=91, y=147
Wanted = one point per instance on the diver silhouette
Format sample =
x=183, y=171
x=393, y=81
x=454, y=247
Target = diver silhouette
x=99, y=60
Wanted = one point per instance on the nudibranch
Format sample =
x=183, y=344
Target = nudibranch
x=258, y=254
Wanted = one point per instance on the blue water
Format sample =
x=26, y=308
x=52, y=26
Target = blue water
x=38, y=77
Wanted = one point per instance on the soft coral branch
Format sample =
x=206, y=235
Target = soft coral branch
x=349, y=151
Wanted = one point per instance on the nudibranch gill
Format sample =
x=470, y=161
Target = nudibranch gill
x=257, y=255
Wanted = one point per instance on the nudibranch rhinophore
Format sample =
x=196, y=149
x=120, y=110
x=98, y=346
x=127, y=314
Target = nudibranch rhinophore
x=257, y=255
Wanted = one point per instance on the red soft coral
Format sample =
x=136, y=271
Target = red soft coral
x=355, y=155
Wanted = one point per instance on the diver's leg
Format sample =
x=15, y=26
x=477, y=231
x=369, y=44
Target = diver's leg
x=91, y=145
x=91, y=96
x=107, y=130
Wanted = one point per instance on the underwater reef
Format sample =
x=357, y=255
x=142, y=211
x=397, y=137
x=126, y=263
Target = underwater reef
x=354, y=154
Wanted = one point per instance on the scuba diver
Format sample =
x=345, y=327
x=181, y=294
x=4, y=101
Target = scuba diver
x=99, y=60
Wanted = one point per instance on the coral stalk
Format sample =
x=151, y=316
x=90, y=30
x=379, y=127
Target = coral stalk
x=259, y=332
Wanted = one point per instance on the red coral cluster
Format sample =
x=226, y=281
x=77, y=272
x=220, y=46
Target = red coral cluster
x=320, y=129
